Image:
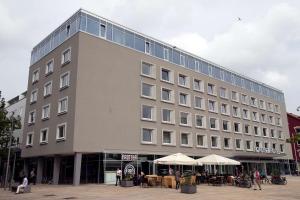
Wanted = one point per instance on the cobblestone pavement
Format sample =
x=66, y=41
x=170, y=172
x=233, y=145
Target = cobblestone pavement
x=109, y=192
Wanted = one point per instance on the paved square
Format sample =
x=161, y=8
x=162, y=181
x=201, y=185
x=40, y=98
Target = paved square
x=291, y=191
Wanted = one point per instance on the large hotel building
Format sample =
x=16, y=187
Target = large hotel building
x=101, y=95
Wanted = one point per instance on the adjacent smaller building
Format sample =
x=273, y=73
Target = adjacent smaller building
x=294, y=129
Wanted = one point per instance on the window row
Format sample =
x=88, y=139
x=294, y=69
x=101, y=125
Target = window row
x=167, y=75
x=48, y=87
x=62, y=109
x=168, y=138
x=49, y=67
x=61, y=132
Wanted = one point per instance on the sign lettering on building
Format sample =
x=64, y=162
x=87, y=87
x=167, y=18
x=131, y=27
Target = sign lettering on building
x=129, y=157
x=266, y=150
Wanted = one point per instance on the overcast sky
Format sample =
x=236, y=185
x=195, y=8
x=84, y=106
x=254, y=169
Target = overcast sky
x=264, y=44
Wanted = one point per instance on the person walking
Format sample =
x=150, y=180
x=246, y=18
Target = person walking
x=256, y=176
x=32, y=178
x=118, y=176
x=177, y=179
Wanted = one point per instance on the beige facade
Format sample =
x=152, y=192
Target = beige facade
x=105, y=106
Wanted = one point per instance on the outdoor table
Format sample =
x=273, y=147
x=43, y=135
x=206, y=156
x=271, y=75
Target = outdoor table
x=169, y=182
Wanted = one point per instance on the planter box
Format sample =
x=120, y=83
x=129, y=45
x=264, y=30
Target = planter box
x=126, y=183
x=188, y=189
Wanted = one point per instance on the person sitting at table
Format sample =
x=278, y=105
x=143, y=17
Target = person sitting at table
x=23, y=185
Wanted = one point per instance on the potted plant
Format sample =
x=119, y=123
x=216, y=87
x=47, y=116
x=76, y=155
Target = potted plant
x=188, y=185
x=127, y=181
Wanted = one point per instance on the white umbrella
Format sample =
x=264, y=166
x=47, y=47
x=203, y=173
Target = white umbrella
x=176, y=159
x=214, y=159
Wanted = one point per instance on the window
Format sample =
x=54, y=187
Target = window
x=255, y=116
x=212, y=106
x=167, y=75
x=201, y=141
x=214, y=123
x=168, y=137
x=185, y=119
x=238, y=144
x=271, y=120
x=262, y=104
x=182, y=60
x=168, y=116
x=35, y=76
x=223, y=93
x=148, y=113
x=48, y=89
x=184, y=99
x=246, y=114
x=198, y=85
x=44, y=136
x=148, y=136
x=279, y=134
x=249, y=145
x=102, y=30
x=33, y=96
x=270, y=107
x=61, y=131
x=272, y=133
x=266, y=145
x=199, y=102
x=265, y=132
x=215, y=142
x=278, y=121
x=29, y=139
x=253, y=102
x=199, y=121
x=211, y=89
x=225, y=109
x=256, y=131
x=236, y=111
x=263, y=118
x=276, y=109
x=66, y=56
x=281, y=146
x=237, y=127
x=148, y=91
x=274, y=146
x=147, y=47
x=64, y=80
x=186, y=139
x=226, y=125
x=46, y=112
x=244, y=99
x=63, y=105
x=183, y=80
x=49, y=67
x=167, y=95
x=166, y=54
x=31, y=117
x=234, y=96
x=148, y=70
x=227, y=143
x=247, y=129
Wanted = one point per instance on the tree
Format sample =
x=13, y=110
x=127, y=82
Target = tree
x=5, y=127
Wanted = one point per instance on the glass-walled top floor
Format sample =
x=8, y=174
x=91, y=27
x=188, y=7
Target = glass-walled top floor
x=105, y=29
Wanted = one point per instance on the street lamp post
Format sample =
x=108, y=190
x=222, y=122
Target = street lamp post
x=9, y=149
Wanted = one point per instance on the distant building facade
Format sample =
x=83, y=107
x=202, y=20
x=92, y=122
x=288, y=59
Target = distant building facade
x=102, y=96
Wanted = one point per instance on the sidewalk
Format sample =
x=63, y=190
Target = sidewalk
x=291, y=191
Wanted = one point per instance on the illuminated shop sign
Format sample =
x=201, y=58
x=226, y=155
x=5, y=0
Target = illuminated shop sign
x=266, y=150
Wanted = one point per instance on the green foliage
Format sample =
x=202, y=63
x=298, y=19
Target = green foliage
x=293, y=139
x=188, y=178
x=275, y=172
x=128, y=177
x=6, y=127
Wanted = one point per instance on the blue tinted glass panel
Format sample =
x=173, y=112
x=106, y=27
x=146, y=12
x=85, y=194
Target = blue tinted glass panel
x=129, y=39
x=238, y=81
x=83, y=23
x=109, y=32
x=247, y=84
x=73, y=27
x=159, y=50
x=227, y=76
x=255, y=87
x=92, y=27
x=139, y=43
x=118, y=35
x=63, y=35
x=176, y=57
x=56, y=39
x=191, y=62
x=216, y=72
x=204, y=67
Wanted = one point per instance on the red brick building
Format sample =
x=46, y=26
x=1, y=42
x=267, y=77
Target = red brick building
x=294, y=128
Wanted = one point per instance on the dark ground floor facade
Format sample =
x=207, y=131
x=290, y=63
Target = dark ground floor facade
x=82, y=168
